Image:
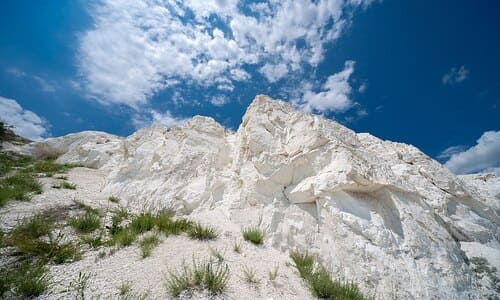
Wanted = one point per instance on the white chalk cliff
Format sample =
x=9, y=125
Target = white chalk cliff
x=380, y=213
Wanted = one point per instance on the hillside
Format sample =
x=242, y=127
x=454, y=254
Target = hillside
x=378, y=213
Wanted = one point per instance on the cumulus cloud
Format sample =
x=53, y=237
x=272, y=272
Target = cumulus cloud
x=154, y=117
x=26, y=123
x=334, y=95
x=137, y=46
x=484, y=156
x=455, y=75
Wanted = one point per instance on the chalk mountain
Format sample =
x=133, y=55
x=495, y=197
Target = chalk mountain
x=379, y=213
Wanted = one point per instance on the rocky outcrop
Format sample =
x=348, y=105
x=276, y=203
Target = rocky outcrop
x=380, y=213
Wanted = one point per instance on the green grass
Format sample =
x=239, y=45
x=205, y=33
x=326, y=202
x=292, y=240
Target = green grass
x=303, y=262
x=168, y=225
x=148, y=243
x=217, y=254
x=32, y=237
x=254, y=235
x=85, y=223
x=18, y=187
x=10, y=161
x=200, y=275
x=123, y=238
x=26, y=280
x=47, y=166
x=320, y=282
x=142, y=223
x=33, y=227
x=124, y=289
x=87, y=208
x=200, y=232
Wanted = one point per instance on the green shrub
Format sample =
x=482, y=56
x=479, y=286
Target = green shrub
x=201, y=275
x=168, y=226
x=200, y=232
x=254, y=235
x=85, y=223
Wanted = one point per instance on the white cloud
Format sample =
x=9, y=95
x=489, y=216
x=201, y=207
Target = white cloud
x=450, y=151
x=26, y=123
x=152, y=117
x=219, y=100
x=484, y=156
x=45, y=85
x=334, y=95
x=136, y=46
x=455, y=75
x=274, y=73
x=15, y=72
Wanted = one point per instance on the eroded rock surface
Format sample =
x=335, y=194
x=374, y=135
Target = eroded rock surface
x=380, y=213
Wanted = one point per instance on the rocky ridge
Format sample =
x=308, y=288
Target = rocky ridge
x=380, y=213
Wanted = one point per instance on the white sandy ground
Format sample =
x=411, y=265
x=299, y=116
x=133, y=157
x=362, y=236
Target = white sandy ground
x=148, y=275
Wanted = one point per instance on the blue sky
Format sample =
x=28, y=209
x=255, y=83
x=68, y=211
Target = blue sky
x=419, y=72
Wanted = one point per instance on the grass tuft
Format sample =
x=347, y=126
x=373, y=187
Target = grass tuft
x=200, y=275
x=142, y=223
x=85, y=223
x=148, y=243
x=24, y=281
x=249, y=275
x=123, y=238
x=237, y=246
x=18, y=187
x=200, y=232
x=320, y=282
x=273, y=274
x=254, y=235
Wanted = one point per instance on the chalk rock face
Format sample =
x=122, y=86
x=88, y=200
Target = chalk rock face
x=380, y=213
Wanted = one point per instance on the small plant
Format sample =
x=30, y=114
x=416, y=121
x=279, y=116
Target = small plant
x=203, y=275
x=124, y=288
x=148, y=243
x=85, y=223
x=254, y=235
x=303, y=262
x=31, y=281
x=101, y=254
x=320, y=281
x=93, y=241
x=33, y=227
x=201, y=232
x=168, y=226
x=79, y=285
x=142, y=223
x=249, y=275
x=113, y=199
x=18, y=187
x=273, y=274
x=217, y=254
x=237, y=246
x=124, y=237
